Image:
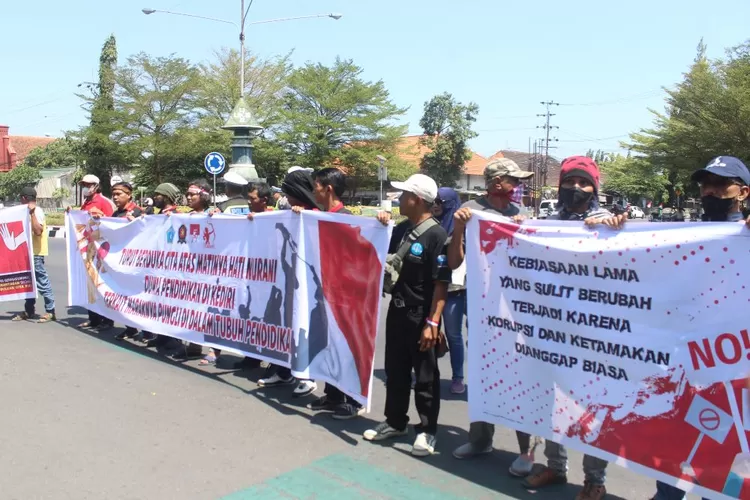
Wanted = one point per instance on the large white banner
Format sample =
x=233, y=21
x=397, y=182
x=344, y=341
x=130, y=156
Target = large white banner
x=16, y=255
x=301, y=291
x=629, y=345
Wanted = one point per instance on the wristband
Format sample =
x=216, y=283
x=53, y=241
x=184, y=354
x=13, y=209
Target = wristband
x=431, y=323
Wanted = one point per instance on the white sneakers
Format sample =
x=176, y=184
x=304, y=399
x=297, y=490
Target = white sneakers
x=423, y=446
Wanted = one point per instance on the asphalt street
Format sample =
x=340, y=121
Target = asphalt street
x=87, y=417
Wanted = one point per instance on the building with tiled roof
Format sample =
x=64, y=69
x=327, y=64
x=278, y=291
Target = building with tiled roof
x=14, y=148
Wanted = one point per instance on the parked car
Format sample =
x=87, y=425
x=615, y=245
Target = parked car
x=636, y=213
x=546, y=207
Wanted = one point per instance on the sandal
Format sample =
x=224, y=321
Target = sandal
x=21, y=317
x=46, y=318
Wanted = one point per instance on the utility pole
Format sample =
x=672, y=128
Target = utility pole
x=547, y=115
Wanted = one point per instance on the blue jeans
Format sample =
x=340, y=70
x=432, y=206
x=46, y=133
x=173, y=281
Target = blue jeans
x=43, y=286
x=666, y=491
x=453, y=321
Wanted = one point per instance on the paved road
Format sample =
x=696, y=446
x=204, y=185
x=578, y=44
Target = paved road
x=87, y=417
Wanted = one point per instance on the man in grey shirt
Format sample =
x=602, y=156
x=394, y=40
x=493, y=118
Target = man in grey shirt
x=501, y=176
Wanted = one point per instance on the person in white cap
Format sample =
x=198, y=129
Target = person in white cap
x=413, y=322
x=93, y=201
x=235, y=187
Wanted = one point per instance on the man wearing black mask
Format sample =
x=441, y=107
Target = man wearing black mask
x=724, y=189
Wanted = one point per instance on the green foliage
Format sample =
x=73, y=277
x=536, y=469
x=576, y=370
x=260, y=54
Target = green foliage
x=447, y=129
x=20, y=177
x=62, y=153
x=60, y=194
x=54, y=219
x=632, y=177
x=265, y=80
x=706, y=115
x=325, y=108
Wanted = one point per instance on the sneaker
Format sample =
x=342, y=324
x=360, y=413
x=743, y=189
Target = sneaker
x=521, y=466
x=382, y=432
x=469, y=450
x=424, y=445
x=275, y=380
x=546, y=477
x=458, y=387
x=304, y=388
x=323, y=403
x=592, y=491
x=346, y=411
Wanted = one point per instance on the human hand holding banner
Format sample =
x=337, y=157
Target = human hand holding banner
x=606, y=341
x=296, y=290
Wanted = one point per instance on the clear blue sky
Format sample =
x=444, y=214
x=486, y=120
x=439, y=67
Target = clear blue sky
x=606, y=60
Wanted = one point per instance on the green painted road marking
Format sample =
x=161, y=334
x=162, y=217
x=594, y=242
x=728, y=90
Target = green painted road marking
x=339, y=477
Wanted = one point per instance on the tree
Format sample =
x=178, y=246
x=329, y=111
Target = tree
x=60, y=194
x=325, y=108
x=20, y=177
x=447, y=129
x=156, y=104
x=706, y=115
x=632, y=178
x=265, y=80
x=100, y=149
x=61, y=153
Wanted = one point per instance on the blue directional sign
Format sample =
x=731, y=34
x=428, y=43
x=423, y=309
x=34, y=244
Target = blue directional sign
x=214, y=163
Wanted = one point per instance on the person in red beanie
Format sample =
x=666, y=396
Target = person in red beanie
x=577, y=201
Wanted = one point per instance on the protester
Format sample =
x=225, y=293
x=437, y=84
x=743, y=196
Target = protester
x=577, y=201
x=501, y=177
x=259, y=197
x=329, y=187
x=724, y=188
x=198, y=199
x=125, y=207
x=236, y=203
x=97, y=206
x=298, y=188
x=164, y=199
x=446, y=205
x=413, y=321
x=277, y=197
x=40, y=244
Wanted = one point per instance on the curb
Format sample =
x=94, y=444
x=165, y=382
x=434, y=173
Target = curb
x=56, y=232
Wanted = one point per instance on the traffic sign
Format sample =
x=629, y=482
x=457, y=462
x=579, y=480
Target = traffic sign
x=709, y=419
x=214, y=163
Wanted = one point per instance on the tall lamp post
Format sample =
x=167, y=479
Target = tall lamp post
x=241, y=121
x=382, y=176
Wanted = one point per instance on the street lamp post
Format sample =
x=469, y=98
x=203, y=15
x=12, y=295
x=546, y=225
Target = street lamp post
x=382, y=176
x=241, y=120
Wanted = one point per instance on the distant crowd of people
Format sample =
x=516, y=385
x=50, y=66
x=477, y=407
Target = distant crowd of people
x=427, y=298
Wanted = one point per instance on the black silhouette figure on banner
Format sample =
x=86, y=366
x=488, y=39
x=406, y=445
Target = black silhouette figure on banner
x=290, y=274
x=317, y=338
x=244, y=309
x=272, y=316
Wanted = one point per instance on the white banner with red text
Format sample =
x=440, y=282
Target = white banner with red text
x=300, y=291
x=16, y=255
x=628, y=345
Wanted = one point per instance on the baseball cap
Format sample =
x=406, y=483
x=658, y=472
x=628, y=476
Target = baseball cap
x=28, y=192
x=167, y=189
x=420, y=185
x=580, y=166
x=724, y=166
x=89, y=179
x=235, y=178
x=297, y=167
x=275, y=189
x=502, y=167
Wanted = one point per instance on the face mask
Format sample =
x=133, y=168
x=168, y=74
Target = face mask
x=573, y=198
x=86, y=192
x=716, y=209
x=160, y=203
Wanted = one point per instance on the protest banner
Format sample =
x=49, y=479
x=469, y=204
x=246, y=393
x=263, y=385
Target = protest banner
x=627, y=345
x=301, y=291
x=16, y=257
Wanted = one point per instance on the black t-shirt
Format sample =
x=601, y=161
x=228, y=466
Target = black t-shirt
x=423, y=265
x=131, y=208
